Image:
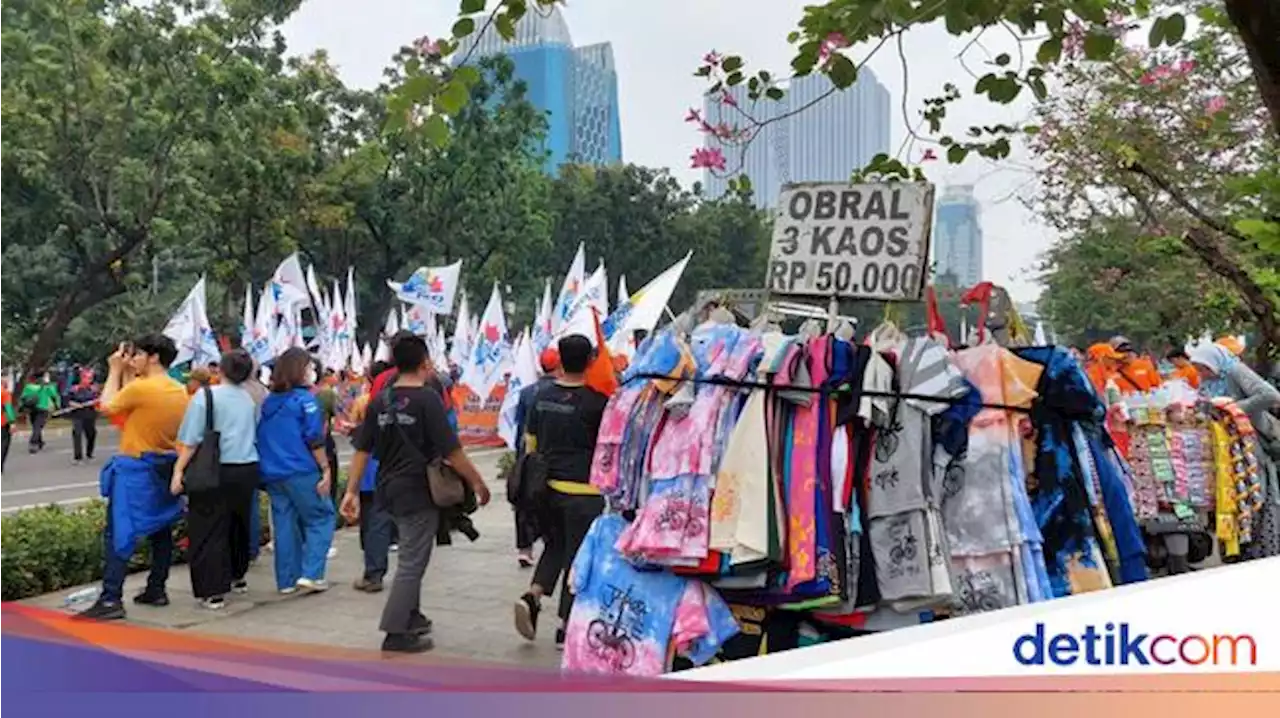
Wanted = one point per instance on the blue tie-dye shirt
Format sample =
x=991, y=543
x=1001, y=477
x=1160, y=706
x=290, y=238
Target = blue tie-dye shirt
x=625, y=618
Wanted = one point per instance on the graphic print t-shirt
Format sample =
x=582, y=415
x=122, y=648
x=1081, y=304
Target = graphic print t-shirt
x=424, y=434
x=624, y=618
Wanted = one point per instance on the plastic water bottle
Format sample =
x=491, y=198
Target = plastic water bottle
x=84, y=595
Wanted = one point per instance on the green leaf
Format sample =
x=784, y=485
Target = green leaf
x=467, y=75
x=842, y=71
x=453, y=98
x=436, y=130
x=1099, y=45
x=506, y=26
x=1040, y=89
x=704, y=71
x=734, y=78
x=1031, y=129
x=1003, y=59
x=774, y=93
x=1156, y=36
x=463, y=27
x=956, y=154
x=1175, y=27
x=471, y=7
x=731, y=63
x=1050, y=51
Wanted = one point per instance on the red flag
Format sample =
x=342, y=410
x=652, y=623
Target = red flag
x=599, y=374
x=980, y=293
x=937, y=327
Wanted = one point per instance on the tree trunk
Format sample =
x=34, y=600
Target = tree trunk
x=1258, y=24
x=1209, y=249
x=69, y=306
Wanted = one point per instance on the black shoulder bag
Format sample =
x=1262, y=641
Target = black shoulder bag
x=445, y=485
x=205, y=467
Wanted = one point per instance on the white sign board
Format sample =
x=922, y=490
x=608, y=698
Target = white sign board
x=866, y=241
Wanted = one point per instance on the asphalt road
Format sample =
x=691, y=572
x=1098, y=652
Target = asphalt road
x=51, y=476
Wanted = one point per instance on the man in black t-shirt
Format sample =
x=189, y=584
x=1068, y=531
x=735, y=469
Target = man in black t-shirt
x=561, y=428
x=406, y=427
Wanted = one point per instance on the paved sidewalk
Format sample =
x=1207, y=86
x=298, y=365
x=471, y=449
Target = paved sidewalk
x=468, y=592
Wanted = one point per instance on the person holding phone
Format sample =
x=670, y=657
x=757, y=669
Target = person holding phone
x=148, y=405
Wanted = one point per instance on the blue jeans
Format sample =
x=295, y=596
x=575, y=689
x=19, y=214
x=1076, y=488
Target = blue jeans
x=303, y=522
x=376, y=526
x=116, y=569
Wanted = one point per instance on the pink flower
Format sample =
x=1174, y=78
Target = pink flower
x=928, y=155
x=712, y=58
x=1215, y=105
x=693, y=116
x=1186, y=66
x=728, y=99
x=709, y=158
x=831, y=43
x=1147, y=79
x=426, y=46
x=723, y=131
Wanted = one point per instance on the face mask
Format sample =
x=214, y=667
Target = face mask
x=311, y=375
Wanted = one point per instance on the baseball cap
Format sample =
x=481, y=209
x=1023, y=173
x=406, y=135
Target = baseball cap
x=1121, y=343
x=550, y=359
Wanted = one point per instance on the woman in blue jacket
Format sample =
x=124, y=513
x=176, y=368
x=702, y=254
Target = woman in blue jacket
x=295, y=474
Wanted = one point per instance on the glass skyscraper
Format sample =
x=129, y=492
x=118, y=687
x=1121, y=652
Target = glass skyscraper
x=957, y=237
x=823, y=143
x=576, y=86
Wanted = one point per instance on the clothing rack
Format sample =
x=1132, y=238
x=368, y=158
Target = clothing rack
x=824, y=391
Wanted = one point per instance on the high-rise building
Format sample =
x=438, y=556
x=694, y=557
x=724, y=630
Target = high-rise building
x=576, y=86
x=957, y=237
x=822, y=143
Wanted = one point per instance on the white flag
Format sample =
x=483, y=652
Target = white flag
x=431, y=288
x=592, y=300
x=418, y=320
x=623, y=294
x=356, y=360
x=542, y=322
x=190, y=329
x=440, y=351
x=340, y=350
x=491, y=350
x=461, y=349
x=569, y=290
x=524, y=373
x=292, y=282
x=246, y=322
x=644, y=309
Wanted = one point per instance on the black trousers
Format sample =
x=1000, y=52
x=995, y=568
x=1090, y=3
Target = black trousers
x=564, y=525
x=526, y=529
x=218, y=524
x=331, y=453
x=38, y=419
x=6, y=434
x=84, y=435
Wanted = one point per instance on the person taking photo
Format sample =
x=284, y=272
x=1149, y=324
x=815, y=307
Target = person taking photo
x=147, y=405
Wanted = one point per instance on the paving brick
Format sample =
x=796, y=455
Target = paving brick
x=468, y=592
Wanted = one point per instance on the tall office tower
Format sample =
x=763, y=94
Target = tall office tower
x=957, y=237
x=576, y=86
x=823, y=143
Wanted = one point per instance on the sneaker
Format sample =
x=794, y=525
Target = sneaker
x=313, y=585
x=525, y=559
x=288, y=590
x=216, y=603
x=102, y=611
x=420, y=624
x=241, y=586
x=152, y=598
x=367, y=586
x=332, y=552
x=527, y=608
x=407, y=643
x=393, y=547
x=560, y=638
x=76, y=462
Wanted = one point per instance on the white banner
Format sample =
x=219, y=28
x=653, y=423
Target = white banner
x=491, y=350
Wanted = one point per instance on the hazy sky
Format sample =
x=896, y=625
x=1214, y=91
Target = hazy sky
x=658, y=43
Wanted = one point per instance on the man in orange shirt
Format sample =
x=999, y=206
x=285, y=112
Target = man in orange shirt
x=7, y=417
x=1182, y=368
x=1135, y=372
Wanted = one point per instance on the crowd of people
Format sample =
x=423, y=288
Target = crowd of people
x=206, y=450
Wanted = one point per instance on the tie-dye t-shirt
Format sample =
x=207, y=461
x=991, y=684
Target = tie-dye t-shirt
x=624, y=619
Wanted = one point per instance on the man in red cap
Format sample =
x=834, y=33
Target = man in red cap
x=526, y=528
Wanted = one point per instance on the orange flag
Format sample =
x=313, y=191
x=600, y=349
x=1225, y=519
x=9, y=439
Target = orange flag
x=599, y=375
